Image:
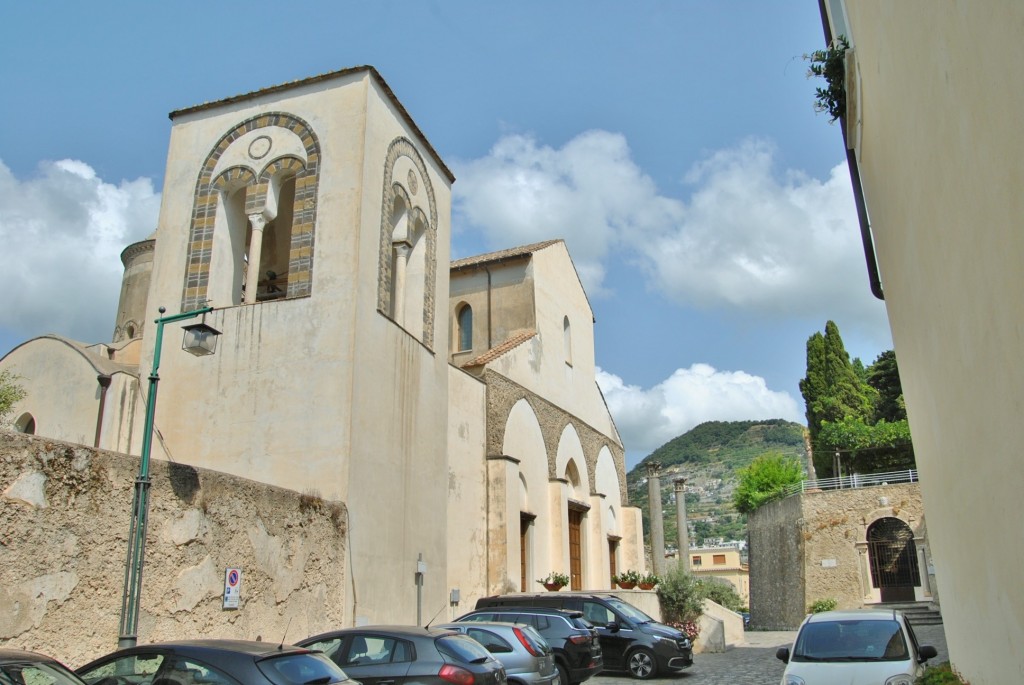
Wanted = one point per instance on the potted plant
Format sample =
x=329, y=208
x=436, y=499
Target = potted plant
x=648, y=581
x=627, y=580
x=554, y=581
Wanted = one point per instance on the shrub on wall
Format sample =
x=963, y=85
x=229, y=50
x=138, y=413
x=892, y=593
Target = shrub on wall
x=823, y=605
x=680, y=596
x=940, y=674
x=721, y=592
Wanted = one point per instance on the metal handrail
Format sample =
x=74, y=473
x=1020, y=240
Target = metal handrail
x=856, y=480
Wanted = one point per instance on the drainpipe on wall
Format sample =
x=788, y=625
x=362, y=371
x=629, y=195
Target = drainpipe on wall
x=488, y=270
x=104, y=381
x=874, y=279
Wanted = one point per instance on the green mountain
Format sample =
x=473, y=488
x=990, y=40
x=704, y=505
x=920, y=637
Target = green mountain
x=709, y=457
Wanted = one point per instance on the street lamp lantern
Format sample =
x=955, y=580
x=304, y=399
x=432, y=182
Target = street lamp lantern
x=201, y=340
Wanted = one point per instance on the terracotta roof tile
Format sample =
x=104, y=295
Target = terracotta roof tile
x=501, y=255
x=495, y=352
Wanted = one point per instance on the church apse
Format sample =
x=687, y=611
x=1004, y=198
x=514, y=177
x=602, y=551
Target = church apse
x=254, y=215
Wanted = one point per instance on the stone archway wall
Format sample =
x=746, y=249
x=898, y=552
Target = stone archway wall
x=813, y=546
x=502, y=395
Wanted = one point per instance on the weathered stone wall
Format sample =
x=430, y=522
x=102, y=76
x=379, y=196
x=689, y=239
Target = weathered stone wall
x=835, y=524
x=813, y=546
x=776, y=565
x=64, y=523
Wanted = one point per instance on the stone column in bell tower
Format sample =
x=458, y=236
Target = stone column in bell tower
x=657, y=525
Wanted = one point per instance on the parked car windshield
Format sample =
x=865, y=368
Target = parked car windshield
x=629, y=611
x=851, y=640
x=301, y=669
x=462, y=648
x=36, y=673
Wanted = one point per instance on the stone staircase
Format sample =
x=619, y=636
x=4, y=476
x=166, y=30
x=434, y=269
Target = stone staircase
x=918, y=613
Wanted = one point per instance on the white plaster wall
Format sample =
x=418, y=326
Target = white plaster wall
x=540, y=364
x=272, y=404
x=399, y=466
x=322, y=393
x=524, y=441
x=467, y=489
x=942, y=174
x=62, y=392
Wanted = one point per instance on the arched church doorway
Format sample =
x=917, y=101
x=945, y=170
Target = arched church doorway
x=893, y=558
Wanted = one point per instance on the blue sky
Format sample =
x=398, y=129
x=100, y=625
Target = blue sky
x=672, y=144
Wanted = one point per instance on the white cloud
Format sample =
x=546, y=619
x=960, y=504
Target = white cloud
x=647, y=419
x=589, y=192
x=747, y=240
x=63, y=232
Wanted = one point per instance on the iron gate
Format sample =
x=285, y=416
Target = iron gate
x=894, y=569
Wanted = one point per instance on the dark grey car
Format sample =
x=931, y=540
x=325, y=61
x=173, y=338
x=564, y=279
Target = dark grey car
x=525, y=654
x=396, y=655
x=213, y=662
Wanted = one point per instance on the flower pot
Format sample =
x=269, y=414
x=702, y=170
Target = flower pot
x=646, y=586
x=626, y=585
x=553, y=587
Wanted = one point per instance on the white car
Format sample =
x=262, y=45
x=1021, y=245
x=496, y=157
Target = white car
x=866, y=647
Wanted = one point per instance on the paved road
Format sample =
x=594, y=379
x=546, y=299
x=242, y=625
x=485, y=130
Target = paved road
x=754, y=663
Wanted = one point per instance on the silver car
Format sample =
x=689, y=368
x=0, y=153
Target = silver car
x=526, y=656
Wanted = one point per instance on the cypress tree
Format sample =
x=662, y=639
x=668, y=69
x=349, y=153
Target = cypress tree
x=832, y=391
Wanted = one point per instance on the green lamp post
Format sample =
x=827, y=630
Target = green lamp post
x=200, y=340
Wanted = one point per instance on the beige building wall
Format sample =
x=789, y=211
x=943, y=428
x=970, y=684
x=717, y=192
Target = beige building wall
x=723, y=563
x=468, y=535
x=939, y=147
x=63, y=394
x=552, y=446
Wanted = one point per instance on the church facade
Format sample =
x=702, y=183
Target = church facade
x=451, y=406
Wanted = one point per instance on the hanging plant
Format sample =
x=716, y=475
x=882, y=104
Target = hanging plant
x=830, y=64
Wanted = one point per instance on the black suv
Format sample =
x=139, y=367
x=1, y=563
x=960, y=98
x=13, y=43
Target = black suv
x=573, y=640
x=630, y=639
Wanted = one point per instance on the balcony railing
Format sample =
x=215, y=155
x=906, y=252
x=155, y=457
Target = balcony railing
x=855, y=481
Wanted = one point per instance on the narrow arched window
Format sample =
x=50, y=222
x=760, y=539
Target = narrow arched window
x=567, y=340
x=465, y=320
x=26, y=424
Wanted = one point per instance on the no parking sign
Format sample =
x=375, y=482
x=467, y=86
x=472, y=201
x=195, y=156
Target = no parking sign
x=232, y=587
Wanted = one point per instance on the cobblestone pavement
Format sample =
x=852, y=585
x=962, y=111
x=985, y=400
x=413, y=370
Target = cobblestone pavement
x=754, y=662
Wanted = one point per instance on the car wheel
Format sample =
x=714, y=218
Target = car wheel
x=641, y=664
x=563, y=675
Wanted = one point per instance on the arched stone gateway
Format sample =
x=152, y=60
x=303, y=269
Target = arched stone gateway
x=893, y=559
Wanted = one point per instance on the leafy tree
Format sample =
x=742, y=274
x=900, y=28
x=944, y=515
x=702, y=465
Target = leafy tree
x=832, y=390
x=876, y=448
x=765, y=480
x=884, y=377
x=854, y=411
x=721, y=592
x=10, y=393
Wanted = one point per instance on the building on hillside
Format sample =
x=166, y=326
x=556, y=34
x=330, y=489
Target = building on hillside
x=864, y=547
x=935, y=145
x=452, y=407
x=723, y=562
